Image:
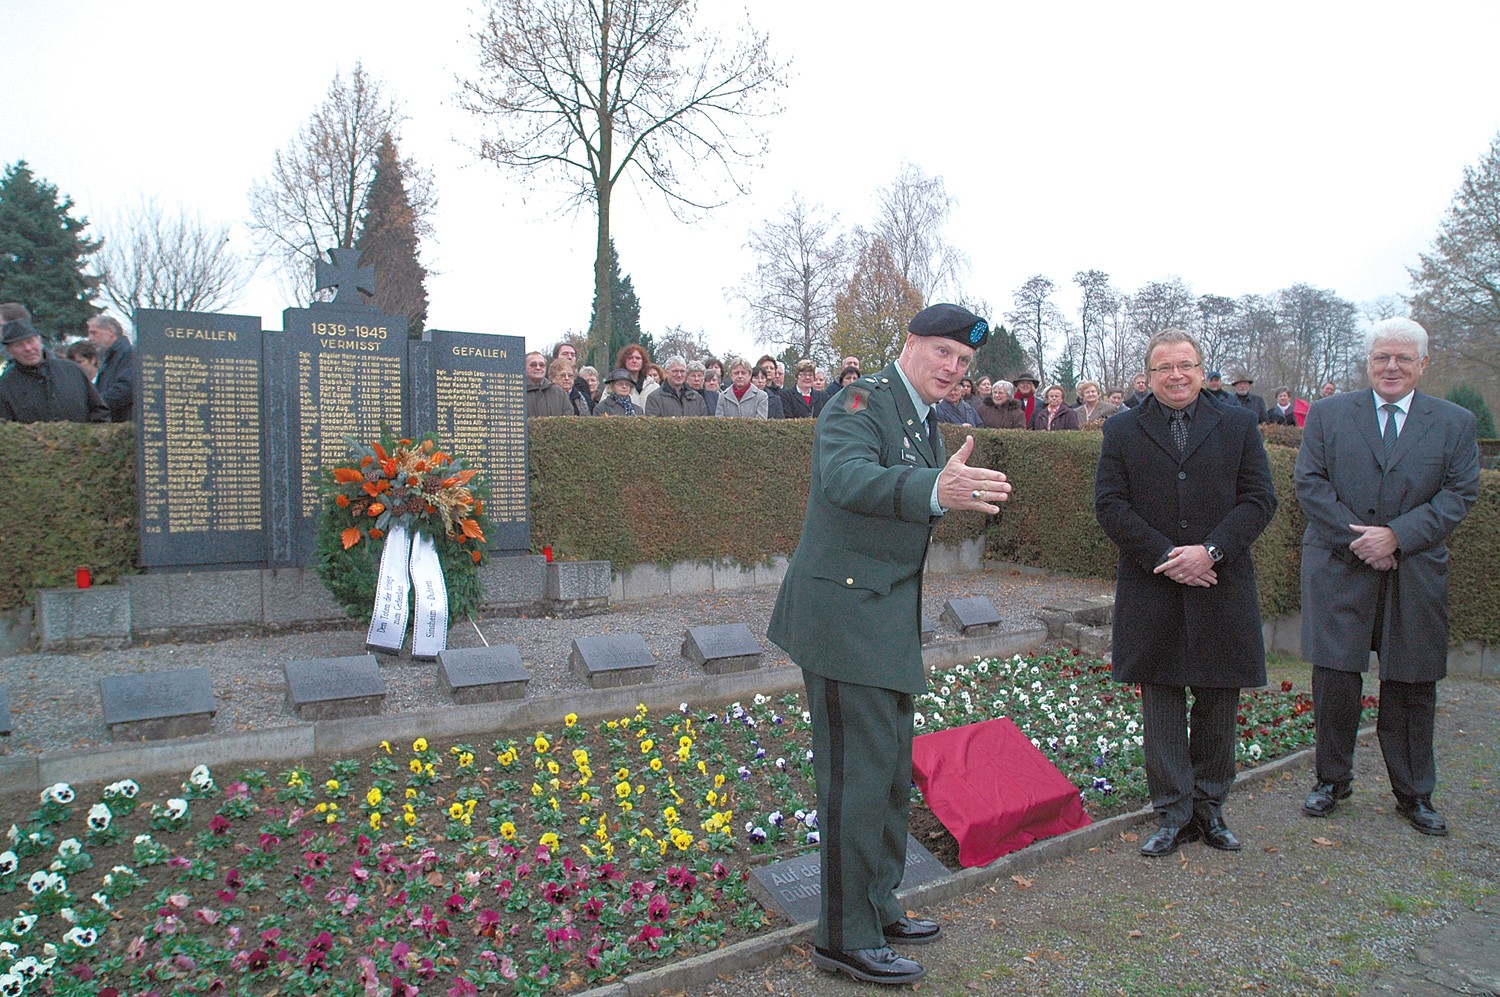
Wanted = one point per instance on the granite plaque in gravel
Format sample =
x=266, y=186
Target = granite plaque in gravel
x=727, y=647
x=929, y=628
x=5, y=724
x=335, y=688
x=973, y=617
x=791, y=886
x=482, y=674
x=156, y=705
x=608, y=661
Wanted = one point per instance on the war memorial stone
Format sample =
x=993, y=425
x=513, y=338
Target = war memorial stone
x=726, y=647
x=236, y=425
x=609, y=661
x=791, y=886
x=972, y=617
x=335, y=688
x=482, y=674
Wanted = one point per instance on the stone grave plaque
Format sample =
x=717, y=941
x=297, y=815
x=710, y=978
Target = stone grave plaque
x=727, y=647
x=482, y=674
x=5, y=721
x=972, y=617
x=791, y=886
x=335, y=688
x=929, y=628
x=158, y=704
x=199, y=439
x=610, y=660
x=339, y=372
x=473, y=396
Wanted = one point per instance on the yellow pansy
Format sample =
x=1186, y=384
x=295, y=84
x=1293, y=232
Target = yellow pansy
x=374, y=796
x=508, y=831
x=570, y=720
x=419, y=745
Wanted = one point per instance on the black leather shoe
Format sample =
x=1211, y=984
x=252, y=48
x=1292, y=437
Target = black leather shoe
x=1420, y=815
x=1216, y=834
x=913, y=931
x=1169, y=838
x=1324, y=797
x=880, y=965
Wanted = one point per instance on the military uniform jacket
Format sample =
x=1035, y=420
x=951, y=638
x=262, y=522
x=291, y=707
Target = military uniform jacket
x=1423, y=492
x=850, y=606
x=1150, y=498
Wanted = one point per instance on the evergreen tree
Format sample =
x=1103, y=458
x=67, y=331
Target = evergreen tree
x=1001, y=358
x=388, y=242
x=1472, y=400
x=42, y=254
x=624, y=314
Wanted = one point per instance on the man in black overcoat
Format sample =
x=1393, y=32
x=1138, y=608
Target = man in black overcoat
x=1184, y=488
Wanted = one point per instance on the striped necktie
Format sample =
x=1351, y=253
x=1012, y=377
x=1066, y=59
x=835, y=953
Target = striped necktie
x=1389, y=436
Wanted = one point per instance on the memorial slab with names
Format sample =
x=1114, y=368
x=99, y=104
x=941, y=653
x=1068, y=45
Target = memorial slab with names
x=791, y=887
x=156, y=705
x=335, y=688
x=482, y=674
x=973, y=616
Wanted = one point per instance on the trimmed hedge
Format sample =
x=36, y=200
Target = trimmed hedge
x=666, y=490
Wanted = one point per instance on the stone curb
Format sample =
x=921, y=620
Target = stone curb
x=29, y=774
x=690, y=974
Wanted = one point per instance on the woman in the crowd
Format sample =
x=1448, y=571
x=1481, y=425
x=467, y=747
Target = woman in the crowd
x=1000, y=410
x=561, y=373
x=635, y=361
x=619, y=395
x=742, y=399
x=1284, y=412
x=955, y=408
x=848, y=375
x=774, y=409
x=820, y=379
x=1054, y=415
x=1090, y=407
x=591, y=376
x=967, y=383
x=982, y=389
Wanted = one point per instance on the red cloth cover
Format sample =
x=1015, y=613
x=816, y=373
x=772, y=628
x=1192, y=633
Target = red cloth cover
x=993, y=789
x=1299, y=411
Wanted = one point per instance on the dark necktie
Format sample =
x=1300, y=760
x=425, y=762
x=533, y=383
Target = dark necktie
x=932, y=432
x=1389, y=436
x=1178, y=424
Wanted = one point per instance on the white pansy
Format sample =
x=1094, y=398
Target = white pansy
x=11, y=985
x=177, y=808
x=38, y=881
x=99, y=817
x=200, y=777
x=69, y=848
x=84, y=938
x=9, y=862
x=8, y=950
x=21, y=924
x=58, y=792
x=1255, y=752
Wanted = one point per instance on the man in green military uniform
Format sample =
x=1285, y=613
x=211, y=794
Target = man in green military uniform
x=880, y=480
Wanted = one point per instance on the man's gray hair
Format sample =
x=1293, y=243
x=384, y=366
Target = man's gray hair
x=109, y=322
x=695, y=365
x=674, y=361
x=1398, y=330
x=1167, y=337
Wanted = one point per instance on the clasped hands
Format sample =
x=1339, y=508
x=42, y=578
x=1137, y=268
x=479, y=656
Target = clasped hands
x=1376, y=546
x=1190, y=566
x=971, y=488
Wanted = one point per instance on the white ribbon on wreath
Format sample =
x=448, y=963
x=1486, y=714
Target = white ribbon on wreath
x=409, y=563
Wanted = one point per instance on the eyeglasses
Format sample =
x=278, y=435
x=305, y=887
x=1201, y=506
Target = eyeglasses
x=1384, y=359
x=1186, y=367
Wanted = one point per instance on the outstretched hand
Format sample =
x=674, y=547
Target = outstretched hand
x=971, y=488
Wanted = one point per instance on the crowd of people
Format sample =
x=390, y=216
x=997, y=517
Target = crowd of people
x=560, y=386
x=93, y=380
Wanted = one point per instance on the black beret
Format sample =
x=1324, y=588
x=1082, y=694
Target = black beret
x=950, y=322
x=15, y=331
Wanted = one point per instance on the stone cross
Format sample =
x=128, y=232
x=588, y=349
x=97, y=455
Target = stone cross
x=344, y=273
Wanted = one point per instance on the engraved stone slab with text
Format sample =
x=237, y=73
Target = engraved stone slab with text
x=791, y=886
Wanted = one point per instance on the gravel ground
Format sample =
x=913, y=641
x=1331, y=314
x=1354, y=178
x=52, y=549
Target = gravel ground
x=1309, y=907
x=55, y=697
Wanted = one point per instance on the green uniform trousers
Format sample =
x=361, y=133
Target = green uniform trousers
x=862, y=761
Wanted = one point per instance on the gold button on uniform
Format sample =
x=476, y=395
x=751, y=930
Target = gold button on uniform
x=848, y=581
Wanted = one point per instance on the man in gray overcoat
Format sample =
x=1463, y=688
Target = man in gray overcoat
x=1184, y=488
x=1384, y=476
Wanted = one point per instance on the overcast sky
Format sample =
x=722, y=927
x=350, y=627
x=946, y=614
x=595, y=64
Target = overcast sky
x=1241, y=147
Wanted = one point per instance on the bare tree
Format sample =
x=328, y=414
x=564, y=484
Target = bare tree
x=1215, y=328
x=1320, y=337
x=1161, y=304
x=801, y=266
x=158, y=259
x=1035, y=320
x=873, y=311
x=319, y=186
x=690, y=344
x=591, y=88
x=1098, y=301
x=913, y=211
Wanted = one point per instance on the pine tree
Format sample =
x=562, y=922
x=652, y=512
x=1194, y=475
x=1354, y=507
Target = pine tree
x=1001, y=358
x=42, y=255
x=624, y=314
x=1472, y=400
x=388, y=241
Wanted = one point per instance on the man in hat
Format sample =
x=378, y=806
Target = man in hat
x=115, y=381
x=1213, y=387
x=1241, y=381
x=881, y=478
x=616, y=401
x=1025, y=393
x=41, y=387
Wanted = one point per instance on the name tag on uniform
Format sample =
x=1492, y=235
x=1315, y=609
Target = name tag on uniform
x=908, y=455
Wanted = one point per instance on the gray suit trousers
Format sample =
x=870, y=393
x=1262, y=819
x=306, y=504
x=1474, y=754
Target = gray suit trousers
x=1188, y=774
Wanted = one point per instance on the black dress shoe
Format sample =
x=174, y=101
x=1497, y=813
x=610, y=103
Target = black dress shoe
x=1420, y=815
x=880, y=965
x=1168, y=838
x=1216, y=834
x=1324, y=797
x=913, y=931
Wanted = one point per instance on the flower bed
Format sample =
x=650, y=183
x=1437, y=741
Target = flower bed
x=544, y=863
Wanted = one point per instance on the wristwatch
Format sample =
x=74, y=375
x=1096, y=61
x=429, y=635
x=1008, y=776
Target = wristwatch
x=1214, y=552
